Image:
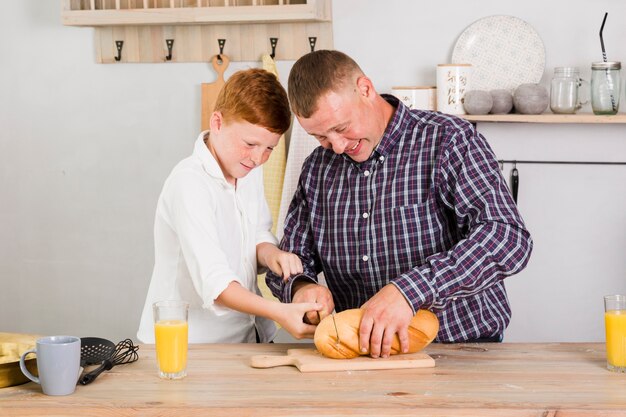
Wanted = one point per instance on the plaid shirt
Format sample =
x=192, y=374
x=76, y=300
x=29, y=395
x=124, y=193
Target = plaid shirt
x=429, y=212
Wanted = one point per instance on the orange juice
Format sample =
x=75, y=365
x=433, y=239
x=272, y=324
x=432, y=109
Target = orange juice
x=615, y=321
x=171, y=346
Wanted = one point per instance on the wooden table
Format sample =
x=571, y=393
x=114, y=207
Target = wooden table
x=515, y=380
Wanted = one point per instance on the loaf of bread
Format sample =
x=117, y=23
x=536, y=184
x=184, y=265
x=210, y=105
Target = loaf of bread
x=12, y=345
x=422, y=330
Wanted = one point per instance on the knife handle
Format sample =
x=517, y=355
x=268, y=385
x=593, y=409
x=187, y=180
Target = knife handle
x=270, y=361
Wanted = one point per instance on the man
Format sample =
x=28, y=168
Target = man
x=400, y=209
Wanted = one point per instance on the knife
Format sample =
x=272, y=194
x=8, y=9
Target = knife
x=336, y=331
x=514, y=182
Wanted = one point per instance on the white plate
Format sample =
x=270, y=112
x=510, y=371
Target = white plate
x=505, y=52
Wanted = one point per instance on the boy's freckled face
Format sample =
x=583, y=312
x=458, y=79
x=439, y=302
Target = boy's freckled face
x=239, y=147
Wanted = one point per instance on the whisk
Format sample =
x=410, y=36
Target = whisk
x=125, y=352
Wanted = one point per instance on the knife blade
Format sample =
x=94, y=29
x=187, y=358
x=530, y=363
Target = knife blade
x=336, y=331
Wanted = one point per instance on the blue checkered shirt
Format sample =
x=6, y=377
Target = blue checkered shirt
x=429, y=212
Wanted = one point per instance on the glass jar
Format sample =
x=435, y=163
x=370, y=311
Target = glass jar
x=605, y=87
x=565, y=90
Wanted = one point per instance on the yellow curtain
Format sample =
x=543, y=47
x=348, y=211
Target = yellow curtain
x=273, y=175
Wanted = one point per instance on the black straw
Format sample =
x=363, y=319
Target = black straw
x=601, y=38
x=604, y=58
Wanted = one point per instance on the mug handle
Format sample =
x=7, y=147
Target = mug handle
x=585, y=92
x=23, y=366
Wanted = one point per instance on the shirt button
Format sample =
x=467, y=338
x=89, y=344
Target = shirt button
x=366, y=173
x=365, y=258
x=382, y=158
x=454, y=298
x=365, y=215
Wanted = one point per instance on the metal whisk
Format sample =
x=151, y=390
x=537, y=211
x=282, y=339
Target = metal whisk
x=125, y=352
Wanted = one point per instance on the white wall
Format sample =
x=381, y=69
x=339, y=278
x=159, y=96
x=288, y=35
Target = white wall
x=85, y=147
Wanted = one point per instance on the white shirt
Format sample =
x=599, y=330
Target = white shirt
x=205, y=236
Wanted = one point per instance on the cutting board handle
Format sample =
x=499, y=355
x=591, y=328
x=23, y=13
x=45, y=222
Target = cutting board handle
x=220, y=68
x=269, y=361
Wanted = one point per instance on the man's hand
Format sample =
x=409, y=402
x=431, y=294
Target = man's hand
x=384, y=315
x=308, y=292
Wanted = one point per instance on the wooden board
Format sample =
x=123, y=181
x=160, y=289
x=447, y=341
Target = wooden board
x=210, y=91
x=310, y=360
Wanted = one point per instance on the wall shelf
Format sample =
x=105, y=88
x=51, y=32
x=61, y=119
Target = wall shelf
x=582, y=118
x=196, y=25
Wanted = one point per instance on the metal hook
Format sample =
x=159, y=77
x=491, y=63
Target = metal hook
x=273, y=43
x=312, y=42
x=170, y=46
x=119, y=45
x=221, y=43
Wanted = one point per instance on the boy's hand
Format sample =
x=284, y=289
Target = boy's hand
x=284, y=263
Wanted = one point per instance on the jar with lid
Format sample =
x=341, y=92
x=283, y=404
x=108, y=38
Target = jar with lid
x=565, y=90
x=605, y=87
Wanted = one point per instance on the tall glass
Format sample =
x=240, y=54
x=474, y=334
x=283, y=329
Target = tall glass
x=615, y=323
x=605, y=87
x=170, y=335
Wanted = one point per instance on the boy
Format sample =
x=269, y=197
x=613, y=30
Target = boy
x=212, y=226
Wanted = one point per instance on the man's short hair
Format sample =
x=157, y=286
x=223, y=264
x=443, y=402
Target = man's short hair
x=316, y=74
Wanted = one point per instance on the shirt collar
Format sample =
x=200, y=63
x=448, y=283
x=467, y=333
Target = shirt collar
x=393, y=132
x=208, y=161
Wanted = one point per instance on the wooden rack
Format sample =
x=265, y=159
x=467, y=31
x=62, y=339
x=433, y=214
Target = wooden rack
x=193, y=28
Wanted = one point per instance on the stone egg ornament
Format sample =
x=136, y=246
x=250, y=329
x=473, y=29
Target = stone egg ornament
x=477, y=102
x=502, y=101
x=531, y=99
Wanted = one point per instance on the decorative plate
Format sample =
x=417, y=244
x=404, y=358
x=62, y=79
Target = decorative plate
x=505, y=51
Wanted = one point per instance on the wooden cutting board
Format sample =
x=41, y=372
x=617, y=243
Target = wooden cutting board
x=210, y=91
x=310, y=360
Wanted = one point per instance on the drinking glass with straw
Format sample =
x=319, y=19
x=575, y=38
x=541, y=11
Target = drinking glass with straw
x=605, y=82
x=606, y=14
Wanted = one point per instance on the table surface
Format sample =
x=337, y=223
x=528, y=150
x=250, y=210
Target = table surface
x=490, y=379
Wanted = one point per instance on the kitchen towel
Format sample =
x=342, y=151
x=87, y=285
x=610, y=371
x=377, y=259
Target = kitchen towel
x=273, y=176
x=274, y=168
x=301, y=145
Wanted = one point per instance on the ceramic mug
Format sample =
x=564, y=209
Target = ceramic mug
x=422, y=98
x=453, y=80
x=58, y=364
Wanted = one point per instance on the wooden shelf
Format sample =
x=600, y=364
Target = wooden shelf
x=582, y=118
x=145, y=27
x=81, y=14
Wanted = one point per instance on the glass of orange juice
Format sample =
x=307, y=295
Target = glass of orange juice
x=170, y=336
x=615, y=322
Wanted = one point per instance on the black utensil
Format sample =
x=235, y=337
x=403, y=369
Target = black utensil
x=125, y=352
x=94, y=350
x=514, y=182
